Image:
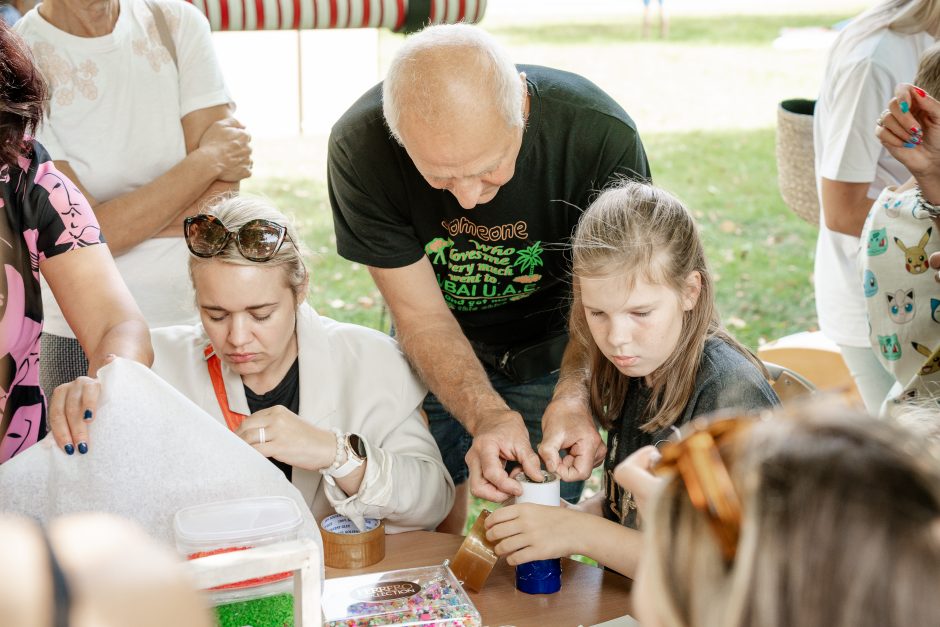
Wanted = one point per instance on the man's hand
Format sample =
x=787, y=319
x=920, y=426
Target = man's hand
x=567, y=425
x=500, y=438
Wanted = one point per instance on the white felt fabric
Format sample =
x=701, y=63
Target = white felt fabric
x=152, y=453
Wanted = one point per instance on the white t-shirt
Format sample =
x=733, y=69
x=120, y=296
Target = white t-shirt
x=855, y=90
x=114, y=115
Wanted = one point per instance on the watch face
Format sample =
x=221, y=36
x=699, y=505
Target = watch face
x=357, y=445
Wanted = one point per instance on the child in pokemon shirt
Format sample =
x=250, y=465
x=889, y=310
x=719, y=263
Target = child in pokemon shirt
x=900, y=291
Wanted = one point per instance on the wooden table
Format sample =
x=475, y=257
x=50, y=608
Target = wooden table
x=588, y=595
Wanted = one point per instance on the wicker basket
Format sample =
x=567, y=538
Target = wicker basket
x=796, y=170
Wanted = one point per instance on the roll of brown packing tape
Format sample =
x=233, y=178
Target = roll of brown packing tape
x=344, y=546
x=476, y=557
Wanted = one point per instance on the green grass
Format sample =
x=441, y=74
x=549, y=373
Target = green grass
x=726, y=30
x=761, y=253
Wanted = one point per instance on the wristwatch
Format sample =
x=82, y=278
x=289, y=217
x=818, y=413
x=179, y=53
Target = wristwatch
x=931, y=209
x=355, y=456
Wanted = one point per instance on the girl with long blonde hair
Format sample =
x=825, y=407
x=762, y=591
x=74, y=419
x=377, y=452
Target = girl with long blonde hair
x=644, y=313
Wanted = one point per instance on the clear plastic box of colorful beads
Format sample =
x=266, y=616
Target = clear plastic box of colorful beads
x=430, y=595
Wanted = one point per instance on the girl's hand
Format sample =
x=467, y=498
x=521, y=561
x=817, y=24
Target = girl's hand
x=635, y=474
x=934, y=261
x=71, y=410
x=289, y=439
x=909, y=129
x=528, y=532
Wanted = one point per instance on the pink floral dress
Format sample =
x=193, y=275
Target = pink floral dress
x=42, y=214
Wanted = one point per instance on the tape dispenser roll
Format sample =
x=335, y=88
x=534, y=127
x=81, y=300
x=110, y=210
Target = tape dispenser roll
x=344, y=546
x=545, y=492
x=476, y=556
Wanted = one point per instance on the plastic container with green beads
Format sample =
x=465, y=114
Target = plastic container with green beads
x=238, y=525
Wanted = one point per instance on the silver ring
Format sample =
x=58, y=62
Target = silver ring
x=261, y=438
x=881, y=118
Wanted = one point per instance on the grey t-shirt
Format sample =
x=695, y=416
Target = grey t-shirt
x=726, y=379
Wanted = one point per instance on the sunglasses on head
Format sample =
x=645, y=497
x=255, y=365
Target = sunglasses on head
x=697, y=459
x=256, y=240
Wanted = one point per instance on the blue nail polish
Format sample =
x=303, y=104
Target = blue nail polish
x=69, y=449
x=909, y=145
x=905, y=107
x=82, y=448
x=87, y=414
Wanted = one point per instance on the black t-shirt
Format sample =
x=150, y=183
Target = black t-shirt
x=502, y=267
x=726, y=379
x=286, y=393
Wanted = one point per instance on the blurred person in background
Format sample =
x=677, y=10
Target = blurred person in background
x=648, y=18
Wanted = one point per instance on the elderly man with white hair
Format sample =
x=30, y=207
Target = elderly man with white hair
x=458, y=182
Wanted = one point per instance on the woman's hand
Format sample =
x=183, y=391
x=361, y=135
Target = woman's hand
x=635, y=474
x=910, y=130
x=289, y=439
x=529, y=532
x=229, y=145
x=912, y=109
x=71, y=410
x=73, y=406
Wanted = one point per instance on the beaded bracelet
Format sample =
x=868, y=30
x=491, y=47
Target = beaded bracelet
x=932, y=210
x=340, y=448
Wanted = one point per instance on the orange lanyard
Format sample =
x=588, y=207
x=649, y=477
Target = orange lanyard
x=214, y=364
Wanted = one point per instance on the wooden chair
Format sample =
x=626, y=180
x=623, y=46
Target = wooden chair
x=788, y=384
x=817, y=359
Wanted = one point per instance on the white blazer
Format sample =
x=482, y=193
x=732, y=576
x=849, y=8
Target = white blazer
x=353, y=378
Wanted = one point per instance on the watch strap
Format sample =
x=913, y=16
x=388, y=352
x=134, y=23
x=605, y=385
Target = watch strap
x=353, y=459
x=931, y=209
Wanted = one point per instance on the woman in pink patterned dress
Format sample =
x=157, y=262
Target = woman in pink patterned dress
x=47, y=226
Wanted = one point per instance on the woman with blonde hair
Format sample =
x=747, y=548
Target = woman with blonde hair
x=824, y=517
x=335, y=406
